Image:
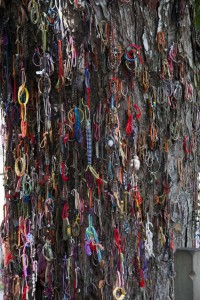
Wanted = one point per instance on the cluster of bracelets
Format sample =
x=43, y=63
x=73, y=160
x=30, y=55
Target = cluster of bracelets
x=100, y=141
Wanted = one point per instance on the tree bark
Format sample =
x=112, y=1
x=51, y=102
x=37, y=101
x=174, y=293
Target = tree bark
x=134, y=65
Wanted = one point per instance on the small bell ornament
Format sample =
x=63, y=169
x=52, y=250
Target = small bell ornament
x=136, y=162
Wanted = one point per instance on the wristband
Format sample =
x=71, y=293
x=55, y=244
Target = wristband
x=119, y=290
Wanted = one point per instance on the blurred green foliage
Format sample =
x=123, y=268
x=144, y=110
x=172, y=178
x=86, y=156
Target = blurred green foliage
x=197, y=13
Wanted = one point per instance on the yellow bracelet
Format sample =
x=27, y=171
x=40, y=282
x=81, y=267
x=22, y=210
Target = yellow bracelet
x=94, y=173
x=22, y=161
x=121, y=291
x=21, y=90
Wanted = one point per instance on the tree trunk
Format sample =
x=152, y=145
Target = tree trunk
x=101, y=187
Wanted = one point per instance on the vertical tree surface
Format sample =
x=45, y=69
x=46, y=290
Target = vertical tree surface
x=100, y=134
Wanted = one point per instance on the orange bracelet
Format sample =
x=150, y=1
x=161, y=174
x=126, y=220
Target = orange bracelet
x=161, y=41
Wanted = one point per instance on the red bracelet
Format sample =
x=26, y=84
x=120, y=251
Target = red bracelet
x=185, y=148
x=60, y=61
x=129, y=125
x=138, y=111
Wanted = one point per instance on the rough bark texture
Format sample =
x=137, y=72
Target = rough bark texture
x=163, y=191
